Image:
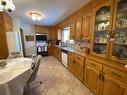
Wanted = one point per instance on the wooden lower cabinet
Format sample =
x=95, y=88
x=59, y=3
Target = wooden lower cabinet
x=72, y=66
x=50, y=48
x=112, y=86
x=71, y=62
x=57, y=53
x=79, y=70
x=79, y=61
x=76, y=65
x=91, y=78
x=104, y=80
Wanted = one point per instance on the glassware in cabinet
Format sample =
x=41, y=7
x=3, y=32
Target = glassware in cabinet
x=101, y=31
x=119, y=49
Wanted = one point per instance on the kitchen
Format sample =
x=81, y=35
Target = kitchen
x=89, y=43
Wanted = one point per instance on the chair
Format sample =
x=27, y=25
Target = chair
x=35, y=68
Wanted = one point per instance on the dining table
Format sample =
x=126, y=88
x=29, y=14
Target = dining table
x=14, y=76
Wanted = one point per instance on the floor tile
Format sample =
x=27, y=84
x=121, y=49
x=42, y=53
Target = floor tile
x=57, y=80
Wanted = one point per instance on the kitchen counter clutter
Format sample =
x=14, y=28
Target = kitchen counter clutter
x=15, y=73
x=73, y=50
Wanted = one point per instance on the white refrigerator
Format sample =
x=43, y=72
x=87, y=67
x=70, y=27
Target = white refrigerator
x=14, y=42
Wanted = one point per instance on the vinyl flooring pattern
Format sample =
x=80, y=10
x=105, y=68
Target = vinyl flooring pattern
x=57, y=80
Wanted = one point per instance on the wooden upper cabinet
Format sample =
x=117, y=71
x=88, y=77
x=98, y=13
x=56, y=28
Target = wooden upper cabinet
x=101, y=30
x=8, y=22
x=3, y=47
x=78, y=28
x=5, y=26
x=119, y=35
x=98, y=2
x=86, y=27
x=112, y=86
x=72, y=30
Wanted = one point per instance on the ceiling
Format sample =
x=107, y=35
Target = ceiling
x=54, y=11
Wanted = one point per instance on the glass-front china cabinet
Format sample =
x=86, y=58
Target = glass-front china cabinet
x=102, y=29
x=119, y=44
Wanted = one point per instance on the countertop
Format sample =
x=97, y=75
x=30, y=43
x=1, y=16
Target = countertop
x=71, y=50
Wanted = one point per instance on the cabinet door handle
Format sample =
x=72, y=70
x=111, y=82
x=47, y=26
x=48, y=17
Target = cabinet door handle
x=93, y=64
x=73, y=61
x=116, y=74
x=100, y=76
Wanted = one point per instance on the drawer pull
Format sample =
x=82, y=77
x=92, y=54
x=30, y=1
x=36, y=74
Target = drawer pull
x=100, y=75
x=116, y=74
x=93, y=64
x=73, y=61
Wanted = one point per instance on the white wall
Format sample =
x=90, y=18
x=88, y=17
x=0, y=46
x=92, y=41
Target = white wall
x=30, y=46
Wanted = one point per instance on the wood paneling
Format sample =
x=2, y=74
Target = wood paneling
x=49, y=30
x=41, y=28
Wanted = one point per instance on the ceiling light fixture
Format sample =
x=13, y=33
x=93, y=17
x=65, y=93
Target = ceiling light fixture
x=35, y=16
x=7, y=5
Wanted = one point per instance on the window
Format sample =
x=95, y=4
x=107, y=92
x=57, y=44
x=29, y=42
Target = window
x=66, y=34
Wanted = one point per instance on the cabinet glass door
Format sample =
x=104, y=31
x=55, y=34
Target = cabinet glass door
x=119, y=49
x=101, y=30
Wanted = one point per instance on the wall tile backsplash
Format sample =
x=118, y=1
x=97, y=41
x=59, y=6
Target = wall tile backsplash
x=78, y=45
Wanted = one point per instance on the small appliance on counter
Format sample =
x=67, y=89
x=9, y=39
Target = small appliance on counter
x=58, y=42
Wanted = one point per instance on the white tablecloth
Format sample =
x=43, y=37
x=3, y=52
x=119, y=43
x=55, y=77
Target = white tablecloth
x=14, y=76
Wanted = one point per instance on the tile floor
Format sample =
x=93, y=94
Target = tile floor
x=57, y=80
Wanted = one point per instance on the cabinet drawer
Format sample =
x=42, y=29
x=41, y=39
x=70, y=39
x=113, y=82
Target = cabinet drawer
x=79, y=59
x=71, y=55
x=116, y=74
x=94, y=64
